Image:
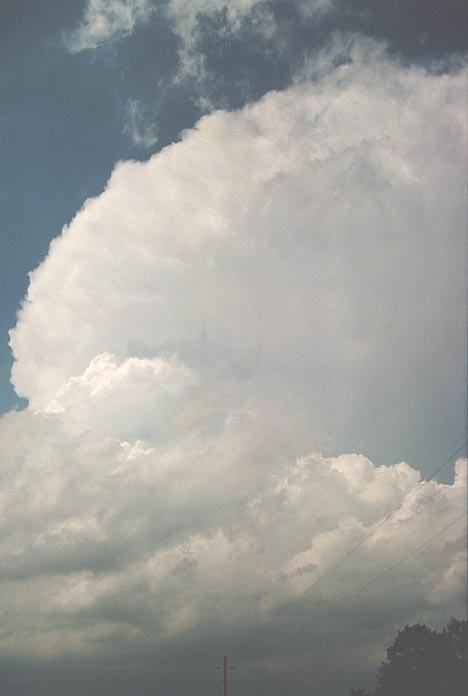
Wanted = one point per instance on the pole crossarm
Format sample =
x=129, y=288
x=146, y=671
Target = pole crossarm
x=226, y=667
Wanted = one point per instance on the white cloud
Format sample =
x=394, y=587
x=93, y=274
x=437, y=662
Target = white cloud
x=245, y=297
x=106, y=390
x=299, y=253
x=107, y=20
x=142, y=133
x=188, y=17
x=139, y=546
x=186, y=12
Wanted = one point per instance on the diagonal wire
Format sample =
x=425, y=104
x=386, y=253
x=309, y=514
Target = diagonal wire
x=364, y=587
x=341, y=560
x=344, y=558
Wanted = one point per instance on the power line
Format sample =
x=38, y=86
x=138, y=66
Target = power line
x=382, y=574
x=344, y=558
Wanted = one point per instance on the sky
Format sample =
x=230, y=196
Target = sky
x=232, y=341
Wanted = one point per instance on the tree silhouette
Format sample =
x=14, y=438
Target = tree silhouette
x=456, y=634
x=423, y=662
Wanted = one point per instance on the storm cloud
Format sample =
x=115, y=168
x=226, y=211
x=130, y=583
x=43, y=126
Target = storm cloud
x=198, y=349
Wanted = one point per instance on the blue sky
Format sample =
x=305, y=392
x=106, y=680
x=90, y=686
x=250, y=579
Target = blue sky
x=282, y=284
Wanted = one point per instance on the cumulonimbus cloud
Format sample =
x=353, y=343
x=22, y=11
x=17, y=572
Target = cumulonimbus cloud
x=213, y=317
x=300, y=252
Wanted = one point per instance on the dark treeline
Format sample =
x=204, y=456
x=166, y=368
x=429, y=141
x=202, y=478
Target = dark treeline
x=424, y=662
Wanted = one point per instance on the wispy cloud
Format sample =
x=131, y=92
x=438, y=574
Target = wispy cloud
x=105, y=21
x=141, y=131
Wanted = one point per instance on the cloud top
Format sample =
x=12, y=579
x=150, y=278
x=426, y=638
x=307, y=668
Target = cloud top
x=289, y=254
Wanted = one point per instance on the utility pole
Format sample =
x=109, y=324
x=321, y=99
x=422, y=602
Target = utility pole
x=225, y=669
x=225, y=679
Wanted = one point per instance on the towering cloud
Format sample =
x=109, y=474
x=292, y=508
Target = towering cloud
x=248, y=296
x=300, y=253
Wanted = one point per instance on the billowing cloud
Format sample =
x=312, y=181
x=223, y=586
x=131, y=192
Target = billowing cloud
x=133, y=548
x=249, y=296
x=107, y=391
x=299, y=254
